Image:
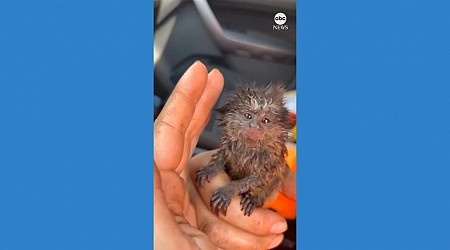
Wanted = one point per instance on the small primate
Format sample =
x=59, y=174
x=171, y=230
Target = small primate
x=255, y=127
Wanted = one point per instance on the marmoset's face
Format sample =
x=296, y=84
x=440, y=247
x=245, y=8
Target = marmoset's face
x=255, y=115
x=255, y=124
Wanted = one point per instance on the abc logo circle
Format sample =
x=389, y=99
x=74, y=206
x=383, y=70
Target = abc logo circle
x=280, y=18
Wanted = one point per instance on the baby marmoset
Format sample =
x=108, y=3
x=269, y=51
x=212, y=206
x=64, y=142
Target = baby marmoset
x=254, y=127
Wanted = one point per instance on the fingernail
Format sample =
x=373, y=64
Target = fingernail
x=192, y=65
x=213, y=71
x=278, y=227
x=276, y=241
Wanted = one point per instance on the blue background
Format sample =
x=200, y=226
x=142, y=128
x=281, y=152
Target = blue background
x=76, y=124
x=374, y=92
x=75, y=118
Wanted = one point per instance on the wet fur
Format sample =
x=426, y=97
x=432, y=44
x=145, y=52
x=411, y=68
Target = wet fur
x=257, y=168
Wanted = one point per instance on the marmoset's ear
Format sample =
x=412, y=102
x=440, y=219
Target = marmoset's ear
x=275, y=91
x=235, y=98
x=222, y=110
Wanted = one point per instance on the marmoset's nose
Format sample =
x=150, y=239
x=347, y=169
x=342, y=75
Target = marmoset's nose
x=254, y=124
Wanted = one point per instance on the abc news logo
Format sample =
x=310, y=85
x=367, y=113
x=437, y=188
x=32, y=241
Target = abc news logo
x=280, y=20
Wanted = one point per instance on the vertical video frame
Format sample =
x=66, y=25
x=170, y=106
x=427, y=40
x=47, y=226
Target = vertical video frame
x=253, y=45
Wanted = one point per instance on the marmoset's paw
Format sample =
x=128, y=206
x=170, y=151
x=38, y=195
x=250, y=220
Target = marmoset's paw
x=220, y=200
x=203, y=175
x=249, y=203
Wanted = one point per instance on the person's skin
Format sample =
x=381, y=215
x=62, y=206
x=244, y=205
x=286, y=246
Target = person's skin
x=182, y=217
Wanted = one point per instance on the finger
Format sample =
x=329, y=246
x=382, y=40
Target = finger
x=226, y=235
x=175, y=192
x=168, y=224
x=202, y=113
x=261, y=221
x=199, y=161
x=165, y=224
x=289, y=186
x=174, y=119
x=205, y=104
x=180, y=107
x=200, y=238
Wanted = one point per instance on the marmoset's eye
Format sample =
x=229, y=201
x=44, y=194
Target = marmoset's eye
x=248, y=116
x=265, y=120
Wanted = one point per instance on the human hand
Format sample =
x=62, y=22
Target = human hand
x=261, y=230
x=179, y=215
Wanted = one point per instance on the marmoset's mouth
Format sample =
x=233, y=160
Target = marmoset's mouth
x=253, y=134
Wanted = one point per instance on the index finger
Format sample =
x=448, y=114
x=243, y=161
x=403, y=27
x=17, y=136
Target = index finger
x=174, y=119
